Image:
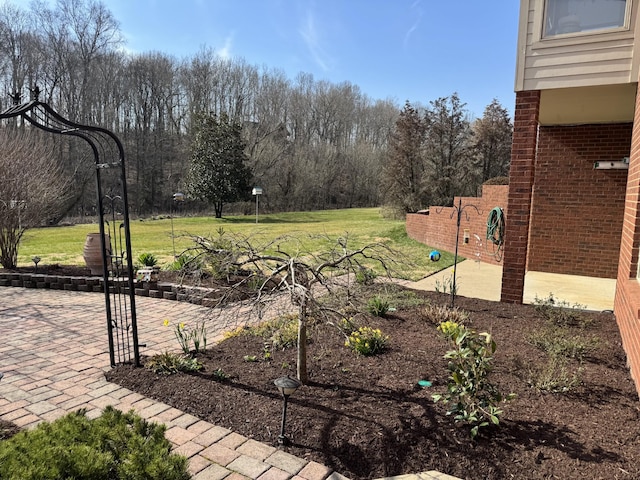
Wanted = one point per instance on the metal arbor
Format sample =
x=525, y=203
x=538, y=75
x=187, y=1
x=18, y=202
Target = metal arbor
x=113, y=206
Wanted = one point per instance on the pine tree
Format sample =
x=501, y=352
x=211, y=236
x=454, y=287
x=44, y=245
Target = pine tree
x=492, y=142
x=447, y=150
x=403, y=173
x=219, y=173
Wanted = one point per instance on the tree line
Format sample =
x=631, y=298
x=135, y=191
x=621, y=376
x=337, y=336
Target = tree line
x=310, y=144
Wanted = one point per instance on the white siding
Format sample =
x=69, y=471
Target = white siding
x=603, y=58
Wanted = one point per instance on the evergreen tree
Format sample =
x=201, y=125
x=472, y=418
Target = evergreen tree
x=404, y=170
x=219, y=173
x=492, y=142
x=447, y=150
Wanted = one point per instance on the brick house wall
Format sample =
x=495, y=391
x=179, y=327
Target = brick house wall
x=627, y=300
x=577, y=212
x=438, y=228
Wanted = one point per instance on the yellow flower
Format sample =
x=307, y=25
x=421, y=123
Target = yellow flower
x=166, y=322
x=181, y=325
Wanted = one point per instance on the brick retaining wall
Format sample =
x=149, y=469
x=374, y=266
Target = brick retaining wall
x=207, y=297
x=438, y=228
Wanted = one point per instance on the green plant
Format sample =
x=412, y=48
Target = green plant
x=147, y=260
x=365, y=276
x=250, y=358
x=554, y=376
x=280, y=332
x=446, y=286
x=560, y=312
x=168, y=363
x=438, y=314
x=186, y=264
x=367, y=341
x=186, y=335
x=378, y=306
x=115, y=445
x=560, y=342
x=470, y=397
x=219, y=375
x=347, y=326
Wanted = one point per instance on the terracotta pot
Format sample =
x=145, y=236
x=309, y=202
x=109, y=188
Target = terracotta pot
x=92, y=252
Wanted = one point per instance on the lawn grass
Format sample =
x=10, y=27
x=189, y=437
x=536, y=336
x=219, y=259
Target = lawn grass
x=313, y=230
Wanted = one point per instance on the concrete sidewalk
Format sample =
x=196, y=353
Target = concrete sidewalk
x=482, y=280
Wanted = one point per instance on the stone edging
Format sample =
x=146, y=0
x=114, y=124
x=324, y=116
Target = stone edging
x=206, y=297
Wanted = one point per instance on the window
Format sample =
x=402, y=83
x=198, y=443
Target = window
x=586, y=16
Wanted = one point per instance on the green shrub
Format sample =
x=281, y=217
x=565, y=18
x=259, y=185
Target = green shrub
x=169, y=363
x=470, y=397
x=147, y=260
x=554, y=376
x=560, y=342
x=378, y=306
x=280, y=332
x=220, y=375
x=113, y=446
x=438, y=314
x=285, y=335
x=186, y=264
x=560, y=312
x=365, y=276
x=367, y=341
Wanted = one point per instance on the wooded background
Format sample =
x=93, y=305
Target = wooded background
x=310, y=144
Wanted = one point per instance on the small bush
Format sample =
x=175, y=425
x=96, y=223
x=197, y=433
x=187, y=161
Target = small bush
x=554, y=376
x=560, y=312
x=470, y=397
x=367, y=341
x=186, y=264
x=560, y=342
x=115, y=445
x=497, y=181
x=378, y=306
x=280, y=332
x=286, y=333
x=365, y=276
x=169, y=363
x=147, y=260
x=220, y=375
x=438, y=314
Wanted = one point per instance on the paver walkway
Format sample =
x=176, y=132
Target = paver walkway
x=54, y=352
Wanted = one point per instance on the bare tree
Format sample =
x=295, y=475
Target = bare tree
x=283, y=265
x=32, y=188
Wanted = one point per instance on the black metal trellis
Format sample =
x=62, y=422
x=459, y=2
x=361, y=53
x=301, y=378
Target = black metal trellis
x=113, y=206
x=457, y=210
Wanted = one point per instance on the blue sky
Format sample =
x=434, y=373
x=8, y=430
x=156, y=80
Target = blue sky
x=416, y=50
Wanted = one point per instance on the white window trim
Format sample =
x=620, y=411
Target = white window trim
x=576, y=38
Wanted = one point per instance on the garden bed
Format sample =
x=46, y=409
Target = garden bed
x=367, y=417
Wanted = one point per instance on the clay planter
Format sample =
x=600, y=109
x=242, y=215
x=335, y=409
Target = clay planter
x=92, y=252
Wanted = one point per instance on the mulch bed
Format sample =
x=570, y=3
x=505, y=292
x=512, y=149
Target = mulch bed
x=366, y=417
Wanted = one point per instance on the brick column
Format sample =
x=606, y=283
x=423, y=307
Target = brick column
x=628, y=262
x=521, y=174
x=627, y=302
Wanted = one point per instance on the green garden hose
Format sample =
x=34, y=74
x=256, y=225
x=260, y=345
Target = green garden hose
x=495, y=231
